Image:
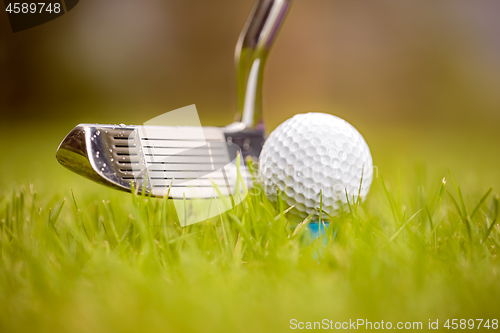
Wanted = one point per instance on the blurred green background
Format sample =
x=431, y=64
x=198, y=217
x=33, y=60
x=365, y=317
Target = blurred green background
x=419, y=79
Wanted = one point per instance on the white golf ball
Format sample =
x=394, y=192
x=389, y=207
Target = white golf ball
x=312, y=154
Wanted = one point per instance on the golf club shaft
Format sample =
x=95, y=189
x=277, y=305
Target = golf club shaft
x=252, y=50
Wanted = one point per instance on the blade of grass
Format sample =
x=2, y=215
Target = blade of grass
x=404, y=225
x=494, y=221
x=483, y=199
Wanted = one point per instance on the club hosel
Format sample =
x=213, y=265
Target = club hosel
x=252, y=51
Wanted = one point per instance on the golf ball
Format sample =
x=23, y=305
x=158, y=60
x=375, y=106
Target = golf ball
x=316, y=157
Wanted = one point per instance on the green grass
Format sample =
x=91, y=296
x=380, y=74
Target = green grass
x=76, y=257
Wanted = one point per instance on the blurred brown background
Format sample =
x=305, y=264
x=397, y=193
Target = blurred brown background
x=387, y=61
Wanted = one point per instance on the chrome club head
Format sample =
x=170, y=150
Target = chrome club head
x=176, y=161
x=185, y=161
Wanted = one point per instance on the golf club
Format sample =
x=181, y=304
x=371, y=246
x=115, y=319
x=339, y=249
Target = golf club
x=184, y=161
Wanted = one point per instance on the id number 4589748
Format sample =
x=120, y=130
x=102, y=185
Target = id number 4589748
x=463, y=324
x=40, y=7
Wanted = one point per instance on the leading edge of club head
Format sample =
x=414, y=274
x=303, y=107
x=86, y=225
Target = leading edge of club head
x=174, y=161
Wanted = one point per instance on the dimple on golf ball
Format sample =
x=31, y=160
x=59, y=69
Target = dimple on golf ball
x=314, y=157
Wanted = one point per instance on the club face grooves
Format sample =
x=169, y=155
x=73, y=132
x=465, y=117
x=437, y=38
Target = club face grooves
x=123, y=158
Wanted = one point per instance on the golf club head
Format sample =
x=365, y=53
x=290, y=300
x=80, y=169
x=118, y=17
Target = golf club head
x=174, y=161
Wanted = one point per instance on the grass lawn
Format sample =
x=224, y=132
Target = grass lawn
x=77, y=257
